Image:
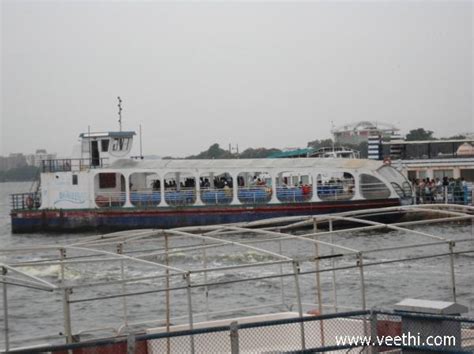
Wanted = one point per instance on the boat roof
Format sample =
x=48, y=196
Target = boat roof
x=417, y=142
x=251, y=164
x=291, y=153
x=123, y=134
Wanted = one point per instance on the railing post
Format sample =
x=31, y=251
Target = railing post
x=122, y=277
x=451, y=263
x=131, y=343
x=319, y=296
x=5, y=310
x=206, y=288
x=360, y=264
x=282, y=285
x=300, y=306
x=66, y=293
x=234, y=337
x=190, y=310
x=333, y=265
x=67, y=315
x=373, y=332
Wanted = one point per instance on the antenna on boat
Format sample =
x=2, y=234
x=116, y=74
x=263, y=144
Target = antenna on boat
x=332, y=126
x=120, y=112
x=141, y=149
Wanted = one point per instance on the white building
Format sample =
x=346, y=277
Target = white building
x=355, y=133
x=40, y=155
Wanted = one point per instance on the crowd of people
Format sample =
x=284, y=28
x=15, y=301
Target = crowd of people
x=437, y=190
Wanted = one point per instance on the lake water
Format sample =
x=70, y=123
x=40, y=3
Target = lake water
x=36, y=313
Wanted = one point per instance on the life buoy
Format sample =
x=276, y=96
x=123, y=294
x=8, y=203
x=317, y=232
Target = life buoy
x=102, y=201
x=29, y=202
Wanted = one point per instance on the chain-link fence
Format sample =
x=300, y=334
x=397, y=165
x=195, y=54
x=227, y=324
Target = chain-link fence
x=368, y=331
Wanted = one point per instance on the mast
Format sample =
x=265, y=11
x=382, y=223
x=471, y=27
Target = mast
x=120, y=112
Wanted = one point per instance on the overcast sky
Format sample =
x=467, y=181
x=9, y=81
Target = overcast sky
x=255, y=74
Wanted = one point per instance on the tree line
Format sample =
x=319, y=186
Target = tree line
x=19, y=174
x=30, y=173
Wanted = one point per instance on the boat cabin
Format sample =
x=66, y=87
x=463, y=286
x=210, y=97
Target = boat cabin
x=106, y=147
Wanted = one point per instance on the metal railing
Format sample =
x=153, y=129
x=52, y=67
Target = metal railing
x=452, y=194
x=25, y=201
x=65, y=165
x=110, y=199
x=210, y=252
x=143, y=199
x=294, y=194
x=254, y=194
x=216, y=196
x=376, y=330
x=180, y=197
x=335, y=191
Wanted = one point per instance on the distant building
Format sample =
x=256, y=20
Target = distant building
x=36, y=158
x=12, y=161
x=432, y=158
x=356, y=133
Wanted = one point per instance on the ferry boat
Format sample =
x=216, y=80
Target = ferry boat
x=104, y=189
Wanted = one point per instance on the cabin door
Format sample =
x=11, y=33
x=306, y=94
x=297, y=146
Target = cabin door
x=95, y=155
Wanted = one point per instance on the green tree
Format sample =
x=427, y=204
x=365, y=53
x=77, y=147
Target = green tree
x=420, y=134
x=316, y=144
x=20, y=174
x=214, y=152
x=259, y=153
x=455, y=137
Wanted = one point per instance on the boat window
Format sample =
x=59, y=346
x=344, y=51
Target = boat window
x=74, y=179
x=180, y=188
x=145, y=189
x=294, y=187
x=373, y=188
x=109, y=190
x=254, y=187
x=120, y=144
x=85, y=145
x=335, y=186
x=216, y=188
x=107, y=180
x=105, y=145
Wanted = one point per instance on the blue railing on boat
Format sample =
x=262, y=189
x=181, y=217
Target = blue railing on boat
x=296, y=194
x=143, y=199
x=254, y=195
x=180, y=197
x=335, y=192
x=217, y=196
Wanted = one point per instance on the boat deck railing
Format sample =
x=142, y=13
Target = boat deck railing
x=66, y=165
x=25, y=201
x=156, y=279
x=110, y=199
